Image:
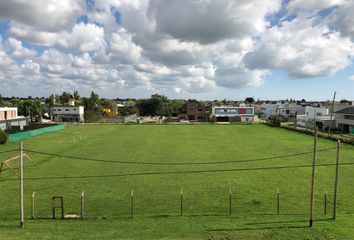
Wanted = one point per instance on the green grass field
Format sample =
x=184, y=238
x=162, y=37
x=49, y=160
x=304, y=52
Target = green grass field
x=157, y=187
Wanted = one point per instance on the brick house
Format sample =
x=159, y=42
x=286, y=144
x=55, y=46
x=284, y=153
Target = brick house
x=192, y=110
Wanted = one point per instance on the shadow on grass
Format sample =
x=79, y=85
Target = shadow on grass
x=274, y=223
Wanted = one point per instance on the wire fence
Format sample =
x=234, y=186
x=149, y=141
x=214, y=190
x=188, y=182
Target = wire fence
x=190, y=202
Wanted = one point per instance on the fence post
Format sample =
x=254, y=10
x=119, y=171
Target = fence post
x=230, y=202
x=132, y=204
x=336, y=183
x=278, y=201
x=22, y=216
x=313, y=176
x=32, y=203
x=181, y=203
x=82, y=209
x=325, y=202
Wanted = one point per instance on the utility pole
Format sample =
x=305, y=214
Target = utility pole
x=330, y=119
x=336, y=183
x=312, y=202
x=21, y=186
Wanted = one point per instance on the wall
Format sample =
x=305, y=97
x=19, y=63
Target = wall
x=23, y=135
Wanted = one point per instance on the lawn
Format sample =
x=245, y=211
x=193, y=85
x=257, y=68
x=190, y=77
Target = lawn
x=112, y=161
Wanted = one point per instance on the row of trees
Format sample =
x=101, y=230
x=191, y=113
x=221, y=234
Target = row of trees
x=156, y=105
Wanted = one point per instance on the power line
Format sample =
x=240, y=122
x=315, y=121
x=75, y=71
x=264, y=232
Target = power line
x=178, y=172
x=8, y=151
x=177, y=163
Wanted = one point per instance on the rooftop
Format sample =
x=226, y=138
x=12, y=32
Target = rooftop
x=348, y=110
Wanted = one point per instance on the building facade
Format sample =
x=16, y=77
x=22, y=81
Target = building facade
x=192, y=111
x=316, y=116
x=67, y=113
x=345, y=120
x=9, y=119
x=232, y=114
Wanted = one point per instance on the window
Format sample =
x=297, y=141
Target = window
x=58, y=110
x=67, y=110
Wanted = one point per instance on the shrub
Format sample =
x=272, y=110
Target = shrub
x=3, y=137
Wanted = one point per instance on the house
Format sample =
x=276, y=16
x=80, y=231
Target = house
x=192, y=110
x=67, y=113
x=9, y=119
x=266, y=110
x=316, y=116
x=232, y=114
x=345, y=120
x=125, y=109
x=288, y=111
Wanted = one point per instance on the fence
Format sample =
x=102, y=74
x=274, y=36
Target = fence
x=132, y=204
x=24, y=135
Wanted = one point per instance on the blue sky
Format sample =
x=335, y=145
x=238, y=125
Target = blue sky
x=268, y=49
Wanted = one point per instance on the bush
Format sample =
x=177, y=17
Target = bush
x=3, y=137
x=273, y=123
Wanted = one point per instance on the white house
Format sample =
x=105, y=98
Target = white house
x=232, y=114
x=9, y=118
x=316, y=116
x=345, y=120
x=67, y=113
x=266, y=110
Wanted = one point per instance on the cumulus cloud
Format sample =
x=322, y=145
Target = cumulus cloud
x=49, y=15
x=305, y=5
x=18, y=50
x=210, y=21
x=83, y=37
x=343, y=20
x=184, y=46
x=302, y=49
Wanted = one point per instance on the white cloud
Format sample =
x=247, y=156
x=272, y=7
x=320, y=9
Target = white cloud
x=49, y=15
x=343, y=20
x=351, y=78
x=184, y=46
x=84, y=37
x=305, y=5
x=190, y=20
x=302, y=49
x=18, y=50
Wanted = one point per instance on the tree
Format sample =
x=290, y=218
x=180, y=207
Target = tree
x=76, y=95
x=32, y=109
x=65, y=97
x=93, y=109
x=249, y=100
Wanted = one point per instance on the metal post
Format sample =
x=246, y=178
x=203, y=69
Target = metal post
x=230, y=203
x=82, y=205
x=132, y=204
x=325, y=202
x=278, y=201
x=181, y=203
x=336, y=183
x=32, y=203
x=312, y=200
x=21, y=186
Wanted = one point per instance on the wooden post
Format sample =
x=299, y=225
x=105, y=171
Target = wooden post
x=32, y=203
x=132, y=204
x=181, y=203
x=336, y=183
x=330, y=119
x=230, y=202
x=325, y=202
x=21, y=186
x=82, y=209
x=312, y=198
x=278, y=201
